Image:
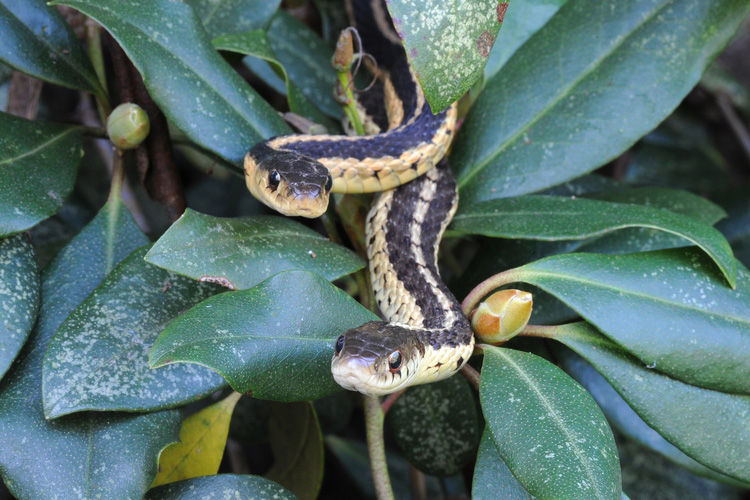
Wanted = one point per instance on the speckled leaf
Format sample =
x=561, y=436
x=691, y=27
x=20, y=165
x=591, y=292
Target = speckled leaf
x=275, y=340
x=98, y=357
x=38, y=165
x=39, y=42
x=523, y=19
x=448, y=43
x=222, y=17
x=564, y=105
x=624, y=419
x=297, y=447
x=230, y=486
x=256, y=44
x=203, y=437
x=242, y=252
x=19, y=296
x=492, y=478
x=307, y=59
x=547, y=428
x=709, y=426
x=89, y=455
x=561, y=218
x=669, y=308
x=437, y=426
x=195, y=88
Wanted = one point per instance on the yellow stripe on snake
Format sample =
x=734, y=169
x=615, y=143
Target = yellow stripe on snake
x=425, y=336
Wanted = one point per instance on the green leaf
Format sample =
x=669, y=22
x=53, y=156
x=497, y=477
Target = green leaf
x=668, y=308
x=38, y=165
x=19, y=296
x=257, y=44
x=98, y=357
x=564, y=105
x=736, y=227
x=707, y=425
x=195, y=88
x=448, y=44
x=437, y=426
x=246, y=251
x=560, y=218
x=523, y=19
x=39, y=42
x=307, y=59
x=547, y=429
x=624, y=419
x=87, y=455
x=297, y=447
x=230, y=485
x=222, y=17
x=492, y=478
x=275, y=340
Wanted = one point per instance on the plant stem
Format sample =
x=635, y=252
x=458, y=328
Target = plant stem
x=94, y=44
x=388, y=401
x=374, y=417
x=485, y=287
x=471, y=375
x=542, y=331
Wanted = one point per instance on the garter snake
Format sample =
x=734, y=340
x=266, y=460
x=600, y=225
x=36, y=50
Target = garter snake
x=426, y=336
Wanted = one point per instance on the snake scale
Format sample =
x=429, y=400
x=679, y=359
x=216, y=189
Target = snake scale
x=425, y=336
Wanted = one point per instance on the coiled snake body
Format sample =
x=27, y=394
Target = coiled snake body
x=426, y=336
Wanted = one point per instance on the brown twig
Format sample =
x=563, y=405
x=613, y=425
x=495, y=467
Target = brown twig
x=23, y=95
x=161, y=178
x=471, y=375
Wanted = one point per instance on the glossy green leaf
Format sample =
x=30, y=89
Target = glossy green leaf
x=297, y=447
x=448, y=44
x=307, y=59
x=564, y=105
x=707, y=425
x=256, y=44
x=39, y=42
x=89, y=455
x=98, y=357
x=437, y=426
x=229, y=485
x=492, y=478
x=624, y=419
x=678, y=154
x=547, y=428
x=38, y=165
x=194, y=87
x=275, y=340
x=669, y=308
x=245, y=251
x=523, y=19
x=222, y=17
x=562, y=218
x=19, y=296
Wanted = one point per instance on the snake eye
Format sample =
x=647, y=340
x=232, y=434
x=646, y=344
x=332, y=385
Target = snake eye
x=339, y=344
x=273, y=179
x=329, y=183
x=394, y=361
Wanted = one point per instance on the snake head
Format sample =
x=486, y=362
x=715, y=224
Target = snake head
x=289, y=182
x=376, y=358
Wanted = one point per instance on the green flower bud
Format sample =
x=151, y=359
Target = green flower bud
x=502, y=316
x=127, y=126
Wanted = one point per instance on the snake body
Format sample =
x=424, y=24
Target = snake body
x=294, y=174
x=425, y=336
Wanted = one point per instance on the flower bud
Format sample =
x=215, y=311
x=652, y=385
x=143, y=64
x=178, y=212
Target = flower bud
x=127, y=126
x=502, y=316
